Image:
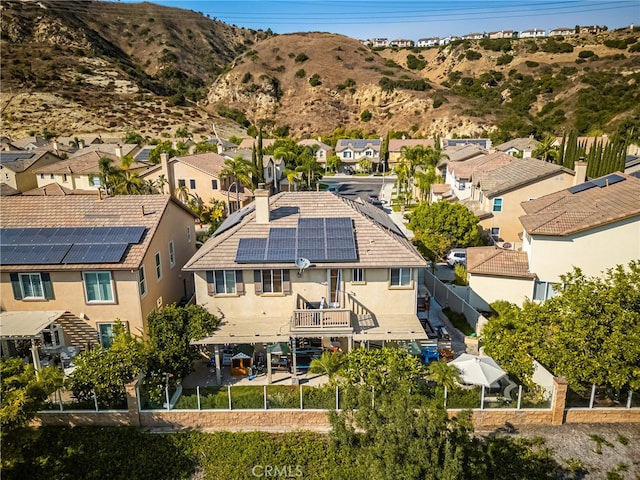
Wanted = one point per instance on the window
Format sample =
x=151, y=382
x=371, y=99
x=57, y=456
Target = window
x=225, y=281
x=545, y=290
x=95, y=181
x=6, y=176
x=357, y=275
x=214, y=184
x=369, y=153
x=64, y=177
x=172, y=254
x=272, y=281
x=52, y=176
x=346, y=154
x=461, y=184
x=400, y=277
x=42, y=176
x=31, y=285
x=98, y=286
x=142, y=281
x=158, y=266
x=192, y=184
x=480, y=197
x=106, y=334
x=497, y=205
x=495, y=233
x=182, y=183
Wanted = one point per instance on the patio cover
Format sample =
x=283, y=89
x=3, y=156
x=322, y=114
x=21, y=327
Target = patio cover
x=28, y=324
x=248, y=330
x=389, y=327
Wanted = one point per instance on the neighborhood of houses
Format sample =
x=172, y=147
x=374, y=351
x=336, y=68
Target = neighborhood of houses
x=381, y=42
x=311, y=270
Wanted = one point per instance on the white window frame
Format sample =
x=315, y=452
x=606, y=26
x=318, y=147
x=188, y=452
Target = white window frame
x=461, y=184
x=272, y=281
x=157, y=259
x=111, y=286
x=142, y=282
x=172, y=254
x=225, y=282
x=31, y=276
x=346, y=154
x=404, y=274
x=549, y=290
x=357, y=275
x=497, y=208
x=101, y=335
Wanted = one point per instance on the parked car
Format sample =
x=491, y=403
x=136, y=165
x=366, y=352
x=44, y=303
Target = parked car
x=457, y=255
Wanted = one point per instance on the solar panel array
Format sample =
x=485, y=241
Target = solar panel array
x=598, y=182
x=234, y=219
x=66, y=245
x=13, y=156
x=316, y=239
x=377, y=215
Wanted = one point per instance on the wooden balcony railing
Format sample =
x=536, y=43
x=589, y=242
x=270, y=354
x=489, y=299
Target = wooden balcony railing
x=319, y=319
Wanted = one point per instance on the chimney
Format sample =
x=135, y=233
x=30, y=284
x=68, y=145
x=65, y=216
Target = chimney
x=580, y=169
x=80, y=144
x=55, y=145
x=174, y=144
x=262, y=204
x=118, y=151
x=168, y=173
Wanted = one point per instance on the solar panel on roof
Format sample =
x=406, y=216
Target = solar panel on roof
x=33, y=254
x=64, y=235
x=378, y=216
x=608, y=180
x=234, y=219
x=251, y=250
x=111, y=253
x=582, y=187
x=12, y=157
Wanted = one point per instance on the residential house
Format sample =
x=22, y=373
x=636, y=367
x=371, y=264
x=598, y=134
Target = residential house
x=497, y=194
x=441, y=192
x=593, y=29
x=449, y=39
x=586, y=142
x=30, y=143
x=379, y=42
x=632, y=164
x=458, y=154
x=503, y=34
x=428, y=42
x=460, y=174
x=305, y=267
x=7, y=190
x=396, y=145
x=81, y=172
x=519, y=147
x=351, y=151
x=55, y=189
x=198, y=177
x=562, y=31
x=593, y=226
x=473, y=36
x=401, y=43
x=17, y=168
x=249, y=143
x=459, y=142
x=323, y=151
x=86, y=261
x=534, y=33
x=115, y=149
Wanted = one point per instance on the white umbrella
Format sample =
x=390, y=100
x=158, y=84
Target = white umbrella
x=478, y=370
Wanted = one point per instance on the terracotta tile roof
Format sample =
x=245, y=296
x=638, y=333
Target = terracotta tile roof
x=499, y=262
x=564, y=213
x=55, y=189
x=250, y=142
x=440, y=188
x=7, y=190
x=460, y=154
x=478, y=165
x=126, y=149
x=522, y=144
x=377, y=246
x=86, y=164
x=310, y=142
x=209, y=163
x=21, y=160
x=521, y=171
x=395, y=145
x=87, y=211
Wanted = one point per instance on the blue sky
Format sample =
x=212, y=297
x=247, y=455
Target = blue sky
x=413, y=19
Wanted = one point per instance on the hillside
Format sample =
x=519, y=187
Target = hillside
x=72, y=67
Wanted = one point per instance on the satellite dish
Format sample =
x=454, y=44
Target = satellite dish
x=302, y=264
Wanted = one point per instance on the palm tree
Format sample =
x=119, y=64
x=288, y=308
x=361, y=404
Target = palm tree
x=293, y=177
x=283, y=153
x=425, y=179
x=109, y=175
x=182, y=193
x=547, y=150
x=310, y=168
x=239, y=170
x=160, y=182
x=328, y=364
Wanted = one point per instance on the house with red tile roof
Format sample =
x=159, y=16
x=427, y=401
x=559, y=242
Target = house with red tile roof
x=94, y=261
x=593, y=225
x=18, y=167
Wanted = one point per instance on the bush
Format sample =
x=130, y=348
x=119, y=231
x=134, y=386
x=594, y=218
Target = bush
x=301, y=73
x=301, y=57
x=504, y=59
x=247, y=77
x=414, y=63
x=586, y=54
x=315, y=80
x=552, y=46
x=531, y=64
x=473, y=55
x=458, y=320
x=366, y=116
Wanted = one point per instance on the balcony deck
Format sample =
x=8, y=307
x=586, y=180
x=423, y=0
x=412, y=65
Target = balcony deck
x=322, y=320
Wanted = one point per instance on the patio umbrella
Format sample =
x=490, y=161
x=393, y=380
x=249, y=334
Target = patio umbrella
x=279, y=348
x=478, y=370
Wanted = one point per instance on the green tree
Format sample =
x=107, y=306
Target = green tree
x=333, y=163
x=171, y=330
x=132, y=137
x=168, y=148
x=365, y=164
x=238, y=169
x=106, y=371
x=328, y=364
x=309, y=168
x=443, y=374
x=205, y=147
x=450, y=221
x=547, y=150
x=23, y=391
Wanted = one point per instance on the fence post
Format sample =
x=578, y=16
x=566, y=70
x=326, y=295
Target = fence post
x=337, y=399
x=519, y=395
x=95, y=400
x=198, y=396
x=482, y=399
x=60, y=400
x=301, y=406
x=373, y=396
x=166, y=394
x=593, y=396
x=559, y=400
x=264, y=395
x=445, y=397
x=629, y=398
x=229, y=395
